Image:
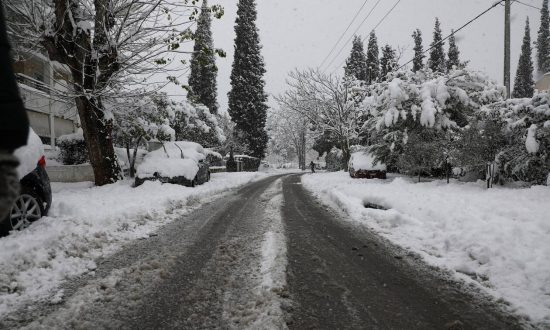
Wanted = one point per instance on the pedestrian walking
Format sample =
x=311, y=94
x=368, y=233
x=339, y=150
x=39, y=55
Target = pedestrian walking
x=312, y=165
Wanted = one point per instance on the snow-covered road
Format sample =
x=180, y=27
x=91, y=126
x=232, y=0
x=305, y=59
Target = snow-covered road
x=268, y=256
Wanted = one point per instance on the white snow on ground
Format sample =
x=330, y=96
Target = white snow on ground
x=499, y=238
x=86, y=223
x=273, y=264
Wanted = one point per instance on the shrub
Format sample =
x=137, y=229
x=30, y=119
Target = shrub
x=250, y=164
x=72, y=149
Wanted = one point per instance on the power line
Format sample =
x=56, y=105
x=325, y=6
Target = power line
x=354, y=33
x=375, y=27
x=343, y=34
x=526, y=4
x=456, y=31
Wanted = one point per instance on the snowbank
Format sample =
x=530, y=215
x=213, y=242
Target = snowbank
x=86, y=223
x=499, y=238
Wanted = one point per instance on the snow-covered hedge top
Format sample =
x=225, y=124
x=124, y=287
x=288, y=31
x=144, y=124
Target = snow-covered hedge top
x=174, y=159
x=363, y=160
x=431, y=99
x=71, y=138
x=213, y=153
x=29, y=155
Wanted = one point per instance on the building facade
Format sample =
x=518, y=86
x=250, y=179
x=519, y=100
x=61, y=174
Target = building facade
x=45, y=90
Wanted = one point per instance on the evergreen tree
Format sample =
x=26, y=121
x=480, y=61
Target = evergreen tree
x=202, y=79
x=523, y=85
x=373, y=62
x=436, y=62
x=543, y=40
x=247, y=99
x=418, y=61
x=388, y=62
x=453, y=55
x=356, y=64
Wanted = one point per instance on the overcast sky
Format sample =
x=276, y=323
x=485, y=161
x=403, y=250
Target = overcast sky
x=301, y=33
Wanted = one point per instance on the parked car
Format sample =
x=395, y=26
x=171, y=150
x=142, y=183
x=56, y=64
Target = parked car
x=35, y=198
x=180, y=162
x=362, y=166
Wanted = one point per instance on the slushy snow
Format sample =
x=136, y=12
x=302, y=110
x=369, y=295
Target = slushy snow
x=497, y=238
x=86, y=223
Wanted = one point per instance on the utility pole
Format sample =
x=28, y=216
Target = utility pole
x=507, y=47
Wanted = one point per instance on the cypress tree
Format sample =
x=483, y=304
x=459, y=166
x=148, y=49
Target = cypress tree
x=543, y=41
x=418, y=61
x=356, y=64
x=523, y=84
x=247, y=99
x=453, y=55
x=388, y=62
x=202, y=79
x=373, y=61
x=436, y=62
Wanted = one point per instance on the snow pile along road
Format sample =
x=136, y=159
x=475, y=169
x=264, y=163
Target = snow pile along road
x=86, y=223
x=500, y=238
x=273, y=264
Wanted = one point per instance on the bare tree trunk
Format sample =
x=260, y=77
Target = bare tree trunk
x=303, y=149
x=346, y=154
x=97, y=134
x=133, y=160
x=129, y=161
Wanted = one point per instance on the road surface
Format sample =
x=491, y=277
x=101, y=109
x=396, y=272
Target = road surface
x=269, y=256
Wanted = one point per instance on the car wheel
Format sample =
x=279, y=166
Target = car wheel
x=26, y=209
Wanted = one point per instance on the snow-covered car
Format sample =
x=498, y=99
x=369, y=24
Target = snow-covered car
x=363, y=166
x=180, y=162
x=35, y=198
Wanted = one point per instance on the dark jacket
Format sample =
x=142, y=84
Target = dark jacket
x=14, y=124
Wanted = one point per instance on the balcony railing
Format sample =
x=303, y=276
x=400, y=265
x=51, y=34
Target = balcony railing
x=31, y=82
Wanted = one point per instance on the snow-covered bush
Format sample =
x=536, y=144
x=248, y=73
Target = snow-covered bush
x=72, y=149
x=420, y=113
x=478, y=144
x=526, y=122
x=194, y=122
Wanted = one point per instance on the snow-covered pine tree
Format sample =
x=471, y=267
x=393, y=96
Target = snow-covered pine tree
x=356, y=64
x=388, y=62
x=436, y=62
x=523, y=85
x=202, y=79
x=543, y=41
x=373, y=61
x=453, y=55
x=247, y=99
x=418, y=61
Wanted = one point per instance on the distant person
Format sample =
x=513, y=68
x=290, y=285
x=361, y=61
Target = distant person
x=14, y=124
x=312, y=165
